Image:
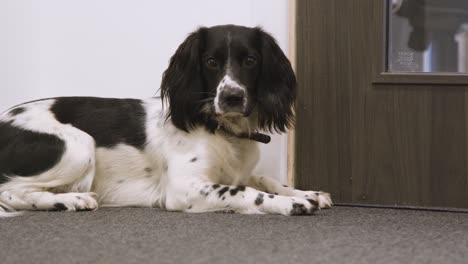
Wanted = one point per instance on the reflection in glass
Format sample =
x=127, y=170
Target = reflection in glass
x=428, y=36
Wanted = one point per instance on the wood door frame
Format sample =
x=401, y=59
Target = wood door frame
x=291, y=158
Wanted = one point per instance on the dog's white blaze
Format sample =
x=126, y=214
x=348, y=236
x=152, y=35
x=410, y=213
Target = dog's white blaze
x=227, y=80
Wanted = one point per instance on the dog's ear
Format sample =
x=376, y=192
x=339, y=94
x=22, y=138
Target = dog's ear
x=276, y=87
x=182, y=85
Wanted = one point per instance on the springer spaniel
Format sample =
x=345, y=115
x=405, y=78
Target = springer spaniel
x=191, y=150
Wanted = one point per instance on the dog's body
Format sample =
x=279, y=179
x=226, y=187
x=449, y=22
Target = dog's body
x=59, y=153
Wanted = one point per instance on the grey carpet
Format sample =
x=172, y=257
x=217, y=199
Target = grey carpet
x=143, y=235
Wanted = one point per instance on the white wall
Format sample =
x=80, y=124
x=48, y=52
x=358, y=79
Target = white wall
x=116, y=48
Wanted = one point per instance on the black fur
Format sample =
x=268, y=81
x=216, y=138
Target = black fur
x=276, y=89
x=189, y=85
x=108, y=121
x=16, y=111
x=182, y=86
x=259, y=199
x=299, y=209
x=313, y=202
x=60, y=207
x=26, y=153
x=236, y=190
x=222, y=191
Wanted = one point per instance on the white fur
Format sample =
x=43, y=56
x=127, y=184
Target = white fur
x=174, y=171
x=227, y=81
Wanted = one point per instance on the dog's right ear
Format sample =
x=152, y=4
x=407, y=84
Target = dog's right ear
x=182, y=85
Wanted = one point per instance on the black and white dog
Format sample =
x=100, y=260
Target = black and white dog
x=191, y=150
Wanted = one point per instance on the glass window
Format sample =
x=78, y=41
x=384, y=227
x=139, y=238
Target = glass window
x=427, y=36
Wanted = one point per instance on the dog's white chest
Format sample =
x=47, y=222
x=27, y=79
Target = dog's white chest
x=129, y=176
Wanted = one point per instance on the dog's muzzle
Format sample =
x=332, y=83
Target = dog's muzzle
x=232, y=100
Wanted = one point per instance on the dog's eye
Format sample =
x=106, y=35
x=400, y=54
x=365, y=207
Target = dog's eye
x=211, y=63
x=250, y=61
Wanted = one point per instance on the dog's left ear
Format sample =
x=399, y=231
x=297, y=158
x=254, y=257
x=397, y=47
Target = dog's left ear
x=276, y=87
x=182, y=85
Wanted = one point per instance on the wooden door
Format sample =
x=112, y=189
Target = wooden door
x=370, y=136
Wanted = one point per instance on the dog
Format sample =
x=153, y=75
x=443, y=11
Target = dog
x=192, y=150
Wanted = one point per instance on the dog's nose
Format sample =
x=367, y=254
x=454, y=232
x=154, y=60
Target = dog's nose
x=233, y=97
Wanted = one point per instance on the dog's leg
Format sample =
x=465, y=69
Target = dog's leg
x=207, y=197
x=65, y=186
x=37, y=200
x=272, y=186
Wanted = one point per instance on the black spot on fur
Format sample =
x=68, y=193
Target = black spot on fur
x=148, y=170
x=120, y=181
x=26, y=153
x=34, y=206
x=237, y=189
x=193, y=159
x=271, y=196
x=60, y=207
x=190, y=207
x=216, y=186
x=259, y=199
x=298, y=209
x=204, y=193
x=222, y=191
x=16, y=111
x=276, y=193
x=108, y=121
x=223, y=198
x=77, y=197
x=285, y=186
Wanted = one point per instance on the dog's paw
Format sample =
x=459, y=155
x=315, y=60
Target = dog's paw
x=321, y=199
x=76, y=202
x=324, y=200
x=301, y=206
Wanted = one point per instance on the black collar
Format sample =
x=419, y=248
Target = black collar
x=213, y=125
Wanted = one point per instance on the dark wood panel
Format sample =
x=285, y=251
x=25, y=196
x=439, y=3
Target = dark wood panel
x=390, y=144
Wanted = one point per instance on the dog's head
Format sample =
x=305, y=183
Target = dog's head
x=230, y=71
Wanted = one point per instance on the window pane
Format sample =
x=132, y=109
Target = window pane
x=428, y=36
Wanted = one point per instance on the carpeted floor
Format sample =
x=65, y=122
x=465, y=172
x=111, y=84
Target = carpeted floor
x=143, y=235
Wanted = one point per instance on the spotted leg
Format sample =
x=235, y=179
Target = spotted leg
x=270, y=185
x=207, y=197
x=38, y=200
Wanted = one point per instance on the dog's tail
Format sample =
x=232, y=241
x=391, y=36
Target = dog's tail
x=7, y=211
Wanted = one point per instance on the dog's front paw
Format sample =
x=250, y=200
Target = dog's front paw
x=302, y=207
x=76, y=202
x=321, y=199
